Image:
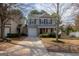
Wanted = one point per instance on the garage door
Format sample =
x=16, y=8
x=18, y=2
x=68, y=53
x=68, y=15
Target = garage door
x=32, y=32
x=6, y=31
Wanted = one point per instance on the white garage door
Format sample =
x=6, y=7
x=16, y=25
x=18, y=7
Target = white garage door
x=32, y=32
x=6, y=31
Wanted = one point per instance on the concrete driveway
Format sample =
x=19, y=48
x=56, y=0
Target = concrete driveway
x=26, y=47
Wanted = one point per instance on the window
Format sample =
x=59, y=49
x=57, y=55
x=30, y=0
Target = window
x=42, y=21
x=29, y=21
x=45, y=21
x=34, y=21
x=50, y=21
x=39, y=21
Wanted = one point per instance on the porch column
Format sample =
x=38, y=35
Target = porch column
x=49, y=30
x=45, y=30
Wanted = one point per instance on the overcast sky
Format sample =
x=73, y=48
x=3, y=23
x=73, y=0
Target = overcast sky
x=50, y=8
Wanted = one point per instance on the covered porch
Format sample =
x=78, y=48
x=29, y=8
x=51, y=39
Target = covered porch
x=46, y=30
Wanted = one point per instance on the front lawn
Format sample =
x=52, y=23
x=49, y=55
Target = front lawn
x=66, y=45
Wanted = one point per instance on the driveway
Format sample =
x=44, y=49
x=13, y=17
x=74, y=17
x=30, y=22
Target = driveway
x=26, y=47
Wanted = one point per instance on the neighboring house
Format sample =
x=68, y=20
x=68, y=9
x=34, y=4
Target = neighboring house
x=11, y=26
x=40, y=23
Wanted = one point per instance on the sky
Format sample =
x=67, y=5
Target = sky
x=50, y=8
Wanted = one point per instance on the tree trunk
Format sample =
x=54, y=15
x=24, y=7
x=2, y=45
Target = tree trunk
x=57, y=30
x=2, y=31
x=57, y=23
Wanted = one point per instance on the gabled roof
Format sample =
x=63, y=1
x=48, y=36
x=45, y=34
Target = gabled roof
x=45, y=15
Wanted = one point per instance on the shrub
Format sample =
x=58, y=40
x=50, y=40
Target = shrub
x=44, y=35
x=12, y=35
x=52, y=35
x=23, y=34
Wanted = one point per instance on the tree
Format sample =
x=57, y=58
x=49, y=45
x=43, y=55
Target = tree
x=68, y=29
x=34, y=12
x=76, y=14
x=77, y=22
x=7, y=13
x=3, y=17
x=15, y=14
x=56, y=16
x=57, y=22
x=37, y=12
x=60, y=9
x=59, y=16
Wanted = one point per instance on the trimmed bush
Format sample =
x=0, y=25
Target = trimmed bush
x=44, y=35
x=23, y=34
x=12, y=35
x=52, y=35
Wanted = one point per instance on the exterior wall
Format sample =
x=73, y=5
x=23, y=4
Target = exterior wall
x=10, y=27
x=46, y=23
x=24, y=30
x=7, y=28
x=13, y=27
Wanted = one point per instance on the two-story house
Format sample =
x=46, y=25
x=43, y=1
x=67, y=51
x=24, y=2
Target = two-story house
x=40, y=23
